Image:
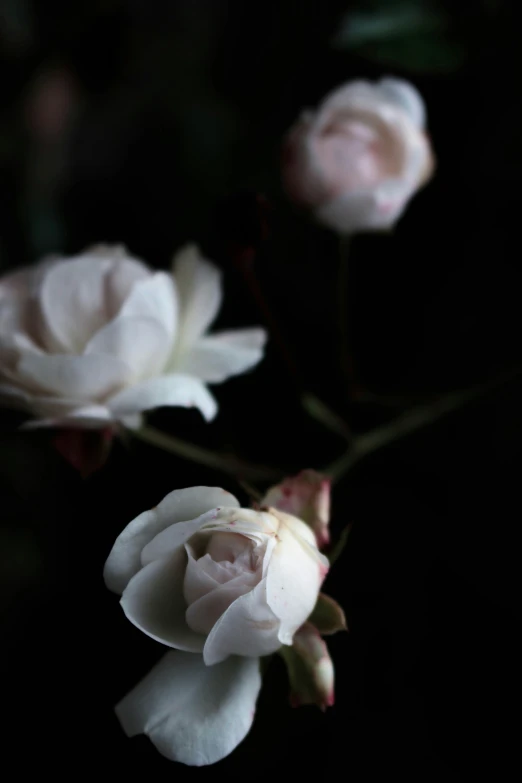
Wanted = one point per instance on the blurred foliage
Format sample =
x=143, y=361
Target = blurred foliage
x=415, y=35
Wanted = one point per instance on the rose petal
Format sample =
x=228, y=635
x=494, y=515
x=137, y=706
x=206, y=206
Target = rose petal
x=89, y=418
x=179, y=390
x=199, y=580
x=156, y=298
x=306, y=496
x=248, y=627
x=259, y=526
x=178, y=506
x=205, y=574
x=204, y=613
x=406, y=96
x=193, y=714
x=173, y=538
x=81, y=377
x=153, y=601
x=218, y=357
x=295, y=573
x=72, y=301
x=142, y=343
x=124, y=274
x=199, y=291
x=364, y=210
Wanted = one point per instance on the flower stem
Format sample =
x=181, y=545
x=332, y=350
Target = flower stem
x=418, y=417
x=322, y=413
x=226, y=463
x=343, y=317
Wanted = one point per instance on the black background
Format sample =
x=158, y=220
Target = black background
x=178, y=111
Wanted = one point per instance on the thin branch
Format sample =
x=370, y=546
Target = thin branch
x=226, y=463
x=411, y=421
x=322, y=413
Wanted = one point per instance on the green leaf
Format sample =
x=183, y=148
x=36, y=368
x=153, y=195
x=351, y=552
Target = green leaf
x=404, y=35
x=327, y=616
x=392, y=21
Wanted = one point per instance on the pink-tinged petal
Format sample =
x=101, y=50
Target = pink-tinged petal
x=177, y=390
x=156, y=298
x=153, y=601
x=142, y=343
x=181, y=505
x=199, y=580
x=248, y=627
x=203, y=614
x=306, y=496
x=364, y=210
x=192, y=713
x=303, y=178
x=259, y=526
x=343, y=99
x=295, y=574
x=358, y=160
x=214, y=359
x=186, y=504
x=198, y=283
x=90, y=377
x=72, y=301
x=205, y=574
x=406, y=96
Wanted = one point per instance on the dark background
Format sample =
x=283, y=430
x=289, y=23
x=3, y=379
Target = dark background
x=153, y=123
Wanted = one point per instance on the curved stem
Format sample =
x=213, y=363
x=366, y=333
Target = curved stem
x=343, y=310
x=322, y=413
x=226, y=463
x=409, y=422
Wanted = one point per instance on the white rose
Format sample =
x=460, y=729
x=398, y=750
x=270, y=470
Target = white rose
x=99, y=338
x=357, y=161
x=224, y=585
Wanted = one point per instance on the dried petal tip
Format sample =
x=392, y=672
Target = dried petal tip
x=306, y=496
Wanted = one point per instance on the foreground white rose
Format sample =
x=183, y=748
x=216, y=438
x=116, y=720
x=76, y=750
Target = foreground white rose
x=357, y=160
x=99, y=338
x=223, y=584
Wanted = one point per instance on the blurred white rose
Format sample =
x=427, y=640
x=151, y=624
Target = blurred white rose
x=224, y=585
x=100, y=337
x=357, y=160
